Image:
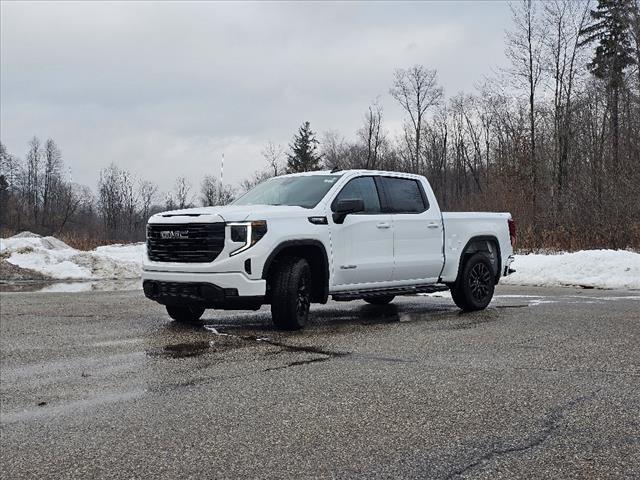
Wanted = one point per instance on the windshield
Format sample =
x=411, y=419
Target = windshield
x=304, y=191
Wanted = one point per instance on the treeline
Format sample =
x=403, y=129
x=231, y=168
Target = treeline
x=37, y=194
x=554, y=139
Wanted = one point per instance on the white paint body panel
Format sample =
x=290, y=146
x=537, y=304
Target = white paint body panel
x=362, y=250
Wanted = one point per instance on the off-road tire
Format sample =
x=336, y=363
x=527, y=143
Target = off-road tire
x=474, y=287
x=290, y=288
x=380, y=299
x=190, y=315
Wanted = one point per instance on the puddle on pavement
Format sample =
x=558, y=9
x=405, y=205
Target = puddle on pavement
x=224, y=343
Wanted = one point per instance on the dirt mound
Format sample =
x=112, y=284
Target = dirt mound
x=13, y=273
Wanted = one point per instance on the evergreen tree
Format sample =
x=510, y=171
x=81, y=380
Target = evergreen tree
x=611, y=29
x=303, y=156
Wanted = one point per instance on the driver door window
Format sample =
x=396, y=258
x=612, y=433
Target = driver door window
x=363, y=188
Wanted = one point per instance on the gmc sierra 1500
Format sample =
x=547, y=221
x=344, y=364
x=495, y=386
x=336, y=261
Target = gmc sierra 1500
x=298, y=239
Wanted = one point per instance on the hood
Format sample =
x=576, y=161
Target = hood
x=230, y=213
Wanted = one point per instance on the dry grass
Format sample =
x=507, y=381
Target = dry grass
x=84, y=242
x=562, y=239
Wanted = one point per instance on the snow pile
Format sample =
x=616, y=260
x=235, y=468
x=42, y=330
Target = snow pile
x=586, y=268
x=54, y=258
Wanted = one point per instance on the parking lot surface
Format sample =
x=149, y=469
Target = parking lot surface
x=543, y=384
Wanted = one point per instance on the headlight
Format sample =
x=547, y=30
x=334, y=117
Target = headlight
x=248, y=233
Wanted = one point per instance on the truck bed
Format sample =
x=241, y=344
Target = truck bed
x=461, y=227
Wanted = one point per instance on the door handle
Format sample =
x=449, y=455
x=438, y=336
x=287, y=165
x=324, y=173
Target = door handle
x=383, y=225
x=433, y=225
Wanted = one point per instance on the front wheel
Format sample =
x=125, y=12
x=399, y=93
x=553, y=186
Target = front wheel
x=291, y=293
x=185, y=314
x=474, y=287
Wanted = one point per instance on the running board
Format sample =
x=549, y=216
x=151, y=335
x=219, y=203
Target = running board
x=379, y=292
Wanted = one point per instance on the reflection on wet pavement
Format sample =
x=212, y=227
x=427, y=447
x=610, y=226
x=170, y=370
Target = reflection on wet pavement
x=72, y=286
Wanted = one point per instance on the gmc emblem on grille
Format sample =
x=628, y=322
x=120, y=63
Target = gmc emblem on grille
x=174, y=234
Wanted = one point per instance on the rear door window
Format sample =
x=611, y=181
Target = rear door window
x=363, y=188
x=404, y=195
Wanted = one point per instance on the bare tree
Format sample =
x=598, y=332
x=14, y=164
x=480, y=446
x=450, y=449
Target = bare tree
x=9, y=168
x=524, y=50
x=182, y=189
x=111, y=199
x=32, y=184
x=255, y=179
x=169, y=201
x=52, y=181
x=371, y=134
x=563, y=21
x=274, y=155
x=147, y=192
x=212, y=192
x=72, y=198
x=226, y=195
x=416, y=90
x=334, y=150
x=635, y=35
x=129, y=202
x=209, y=191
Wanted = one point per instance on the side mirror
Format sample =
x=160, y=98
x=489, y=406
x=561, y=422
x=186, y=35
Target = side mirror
x=342, y=208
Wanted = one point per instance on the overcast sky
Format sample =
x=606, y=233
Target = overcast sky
x=164, y=88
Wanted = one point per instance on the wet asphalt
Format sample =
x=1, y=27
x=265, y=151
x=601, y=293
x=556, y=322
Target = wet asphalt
x=543, y=384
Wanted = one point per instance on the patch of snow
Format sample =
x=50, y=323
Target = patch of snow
x=586, y=268
x=443, y=294
x=589, y=268
x=54, y=258
x=27, y=240
x=26, y=234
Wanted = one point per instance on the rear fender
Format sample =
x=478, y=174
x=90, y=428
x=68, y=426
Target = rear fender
x=486, y=244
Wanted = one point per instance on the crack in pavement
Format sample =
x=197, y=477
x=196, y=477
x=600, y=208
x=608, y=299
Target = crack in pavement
x=550, y=425
x=285, y=347
x=327, y=354
x=297, y=363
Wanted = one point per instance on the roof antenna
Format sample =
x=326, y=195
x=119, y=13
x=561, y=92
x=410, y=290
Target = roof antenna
x=335, y=169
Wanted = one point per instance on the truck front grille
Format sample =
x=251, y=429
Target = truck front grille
x=185, y=243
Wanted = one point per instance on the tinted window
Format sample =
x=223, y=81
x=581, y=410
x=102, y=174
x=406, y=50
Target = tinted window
x=362, y=188
x=404, y=195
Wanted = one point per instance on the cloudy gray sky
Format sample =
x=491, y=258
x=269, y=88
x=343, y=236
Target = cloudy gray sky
x=164, y=88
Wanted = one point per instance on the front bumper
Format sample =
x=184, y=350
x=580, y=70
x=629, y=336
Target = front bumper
x=211, y=290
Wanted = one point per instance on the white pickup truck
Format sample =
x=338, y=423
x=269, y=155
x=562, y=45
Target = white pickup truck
x=298, y=239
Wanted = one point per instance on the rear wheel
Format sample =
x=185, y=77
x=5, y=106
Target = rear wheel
x=185, y=314
x=474, y=287
x=291, y=293
x=379, y=300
